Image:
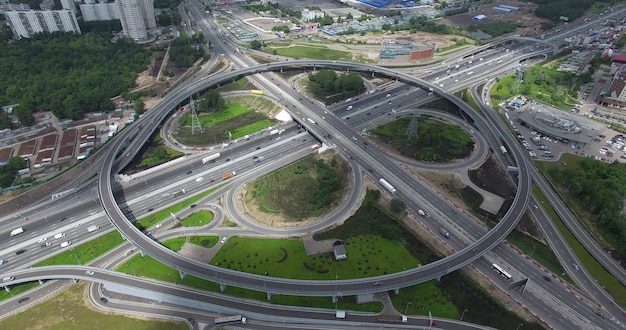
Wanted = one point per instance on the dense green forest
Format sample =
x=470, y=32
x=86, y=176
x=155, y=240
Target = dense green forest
x=572, y=9
x=600, y=187
x=185, y=51
x=68, y=74
x=329, y=87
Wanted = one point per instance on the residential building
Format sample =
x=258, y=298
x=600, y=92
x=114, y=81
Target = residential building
x=26, y=23
x=137, y=17
x=100, y=11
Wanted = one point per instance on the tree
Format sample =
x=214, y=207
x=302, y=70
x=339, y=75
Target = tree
x=24, y=113
x=164, y=19
x=16, y=163
x=5, y=120
x=397, y=205
x=255, y=44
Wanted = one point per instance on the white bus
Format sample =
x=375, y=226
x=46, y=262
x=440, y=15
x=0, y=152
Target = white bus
x=235, y=319
x=501, y=271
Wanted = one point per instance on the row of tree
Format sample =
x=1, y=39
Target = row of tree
x=67, y=74
x=572, y=9
x=330, y=87
x=600, y=188
x=212, y=102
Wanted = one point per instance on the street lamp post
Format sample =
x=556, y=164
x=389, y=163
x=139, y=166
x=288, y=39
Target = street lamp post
x=519, y=325
x=408, y=303
x=463, y=314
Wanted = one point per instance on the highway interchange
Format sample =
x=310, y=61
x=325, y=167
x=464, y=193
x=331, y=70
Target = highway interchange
x=477, y=242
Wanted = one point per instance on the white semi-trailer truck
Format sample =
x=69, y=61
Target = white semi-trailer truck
x=387, y=185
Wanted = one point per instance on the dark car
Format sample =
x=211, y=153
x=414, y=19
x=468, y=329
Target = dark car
x=547, y=278
x=18, y=252
x=23, y=300
x=193, y=205
x=189, y=172
x=63, y=219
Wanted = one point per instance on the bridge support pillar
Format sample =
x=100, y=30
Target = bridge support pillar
x=269, y=296
x=222, y=287
x=40, y=282
x=334, y=299
x=396, y=291
x=6, y=288
x=124, y=238
x=182, y=274
x=142, y=253
x=75, y=280
x=438, y=278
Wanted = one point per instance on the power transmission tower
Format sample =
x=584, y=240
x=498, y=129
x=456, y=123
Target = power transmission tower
x=195, y=122
x=520, y=74
x=411, y=131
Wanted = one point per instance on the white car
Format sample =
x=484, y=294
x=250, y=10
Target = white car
x=224, y=239
x=42, y=240
x=199, y=179
x=89, y=272
x=78, y=225
x=3, y=261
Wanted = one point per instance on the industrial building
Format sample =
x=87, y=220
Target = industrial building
x=405, y=50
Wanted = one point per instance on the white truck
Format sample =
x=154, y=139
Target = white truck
x=210, y=158
x=340, y=314
x=273, y=132
x=59, y=235
x=17, y=231
x=93, y=228
x=387, y=185
x=310, y=120
x=66, y=244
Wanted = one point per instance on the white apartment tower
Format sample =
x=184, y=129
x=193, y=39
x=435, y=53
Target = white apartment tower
x=100, y=11
x=137, y=16
x=26, y=23
x=69, y=5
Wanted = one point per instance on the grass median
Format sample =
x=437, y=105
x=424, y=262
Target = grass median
x=153, y=219
x=199, y=218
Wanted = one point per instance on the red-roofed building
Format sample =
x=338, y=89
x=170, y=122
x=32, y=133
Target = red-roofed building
x=5, y=154
x=619, y=59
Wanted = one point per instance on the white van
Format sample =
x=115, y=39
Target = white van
x=66, y=244
x=59, y=235
x=8, y=279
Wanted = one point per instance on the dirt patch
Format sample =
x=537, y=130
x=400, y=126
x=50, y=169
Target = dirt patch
x=525, y=16
x=449, y=182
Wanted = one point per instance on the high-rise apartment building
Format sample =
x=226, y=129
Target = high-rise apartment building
x=26, y=23
x=137, y=16
x=100, y=11
x=69, y=5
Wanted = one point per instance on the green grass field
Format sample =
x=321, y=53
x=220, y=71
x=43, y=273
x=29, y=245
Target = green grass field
x=289, y=190
x=199, y=218
x=86, y=252
x=153, y=219
x=68, y=311
x=287, y=259
x=204, y=241
x=436, y=140
x=15, y=290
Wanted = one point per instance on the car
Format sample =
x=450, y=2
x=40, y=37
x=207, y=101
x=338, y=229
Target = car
x=18, y=252
x=2, y=262
x=377, y=283
x=547, y=278
x=227, y=159
x=89, y=272
x=255, y=157
x=46, y=244
x=257, y=148
x=189, y=172
x=62, y=219
x=78, y=225
x=25, y=299
x=214, y=207
x=193, y=205
x=150, y=209
x=212, y=180
x=224, y=239
x=354, y=138
x=41, y=240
